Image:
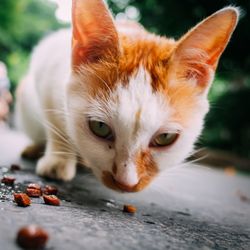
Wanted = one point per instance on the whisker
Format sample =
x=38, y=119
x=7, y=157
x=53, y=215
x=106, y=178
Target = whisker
x=64, y=145
x=63, y=153
x=57, y=132
x=100, y=78
x=62, y=112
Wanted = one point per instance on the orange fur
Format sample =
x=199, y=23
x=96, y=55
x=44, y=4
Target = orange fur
x=153, y=53
x=91, y=19
x=147, y=50
x=193, y=56
x=107, y=49
x=146, y=170
x=137, y=122
x=181, y=70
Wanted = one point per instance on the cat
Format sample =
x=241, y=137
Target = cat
x=126, y=103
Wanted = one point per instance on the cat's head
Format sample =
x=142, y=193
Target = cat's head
x=136, y=100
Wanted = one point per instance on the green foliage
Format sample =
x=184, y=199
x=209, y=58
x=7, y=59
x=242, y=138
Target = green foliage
x=23, y=23
x=228, y=123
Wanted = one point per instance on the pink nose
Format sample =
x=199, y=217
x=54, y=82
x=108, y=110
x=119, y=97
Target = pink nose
x=124, y=186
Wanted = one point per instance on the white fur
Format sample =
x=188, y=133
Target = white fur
x=50, y=97
x=40, y=103
x=119, y=112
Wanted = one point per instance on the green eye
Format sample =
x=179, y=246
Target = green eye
x=101, y=129
x=164, y=139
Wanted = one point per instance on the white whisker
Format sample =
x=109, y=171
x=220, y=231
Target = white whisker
x=95, y=74
x=56, y=131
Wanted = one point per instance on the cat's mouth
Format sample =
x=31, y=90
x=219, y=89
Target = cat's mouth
x=111, y=183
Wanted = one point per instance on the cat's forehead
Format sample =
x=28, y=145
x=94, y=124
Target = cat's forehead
x=148, y=51
x=137, y=104
x=135, y=109
x=140, y=81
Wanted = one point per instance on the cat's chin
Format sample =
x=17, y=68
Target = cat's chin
x=109, y=181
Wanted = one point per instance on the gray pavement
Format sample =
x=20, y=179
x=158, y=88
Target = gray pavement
x=193, y=207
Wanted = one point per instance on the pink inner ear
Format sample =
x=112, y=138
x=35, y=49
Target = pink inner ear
x=201, y=74
x=94, y=33
x=191, y=64
x=198, y=52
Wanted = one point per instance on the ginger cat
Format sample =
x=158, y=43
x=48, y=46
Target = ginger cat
x=126, y=103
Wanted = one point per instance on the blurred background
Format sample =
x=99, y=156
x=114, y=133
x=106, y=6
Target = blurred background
x=227, y=130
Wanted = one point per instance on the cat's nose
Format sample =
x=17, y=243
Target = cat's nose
x=125, y=181
x=124, y=185
x=125, y=175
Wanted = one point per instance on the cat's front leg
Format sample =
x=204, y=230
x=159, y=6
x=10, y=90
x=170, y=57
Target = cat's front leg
x=58, y=162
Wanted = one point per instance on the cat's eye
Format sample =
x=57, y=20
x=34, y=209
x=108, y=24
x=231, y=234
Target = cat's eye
x=101, y=130
x=164, y=139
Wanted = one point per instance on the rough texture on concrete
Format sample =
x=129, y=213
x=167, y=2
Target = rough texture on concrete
x=189, y=208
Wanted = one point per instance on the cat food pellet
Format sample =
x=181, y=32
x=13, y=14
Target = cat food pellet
x=34, y=190
x=49, y=190
x=15, y=167
x=22, y=199
x=230, y=171
x=32, y=237
x=31, y=192
x=34, y=186
x=129, y=209
x=51, y=200
x=7, y=180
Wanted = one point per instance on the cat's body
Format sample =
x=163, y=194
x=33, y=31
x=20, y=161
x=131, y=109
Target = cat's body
x=35, y=98
x=129, y=104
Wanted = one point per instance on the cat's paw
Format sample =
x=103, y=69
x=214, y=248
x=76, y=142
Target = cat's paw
x=56, y=167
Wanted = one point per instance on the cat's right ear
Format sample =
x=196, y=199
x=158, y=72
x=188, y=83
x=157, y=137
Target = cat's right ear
x=94, y=34
x=198, y=51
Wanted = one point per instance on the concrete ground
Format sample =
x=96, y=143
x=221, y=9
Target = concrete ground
x=188, y=208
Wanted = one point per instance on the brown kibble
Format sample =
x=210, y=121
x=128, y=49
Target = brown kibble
x=22, y=199
x=34, y=186
x=31, y=192
x=7, y=180
x=230, y=171
x=34, y=190
x=51, y=200
x=129, y=209
x=50, y=190
x=15, y=167
x=32, y=237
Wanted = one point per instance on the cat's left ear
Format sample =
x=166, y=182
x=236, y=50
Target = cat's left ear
x=94, y=34
x=197, y=53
